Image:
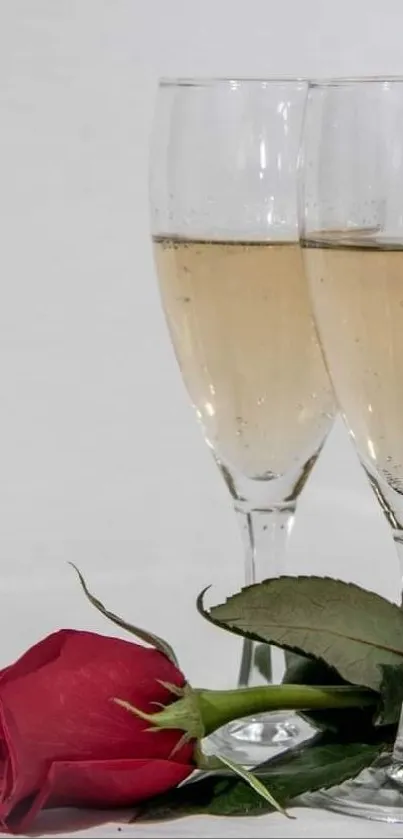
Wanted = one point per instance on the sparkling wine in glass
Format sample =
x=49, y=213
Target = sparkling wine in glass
x=225, y=238
x=351, y=224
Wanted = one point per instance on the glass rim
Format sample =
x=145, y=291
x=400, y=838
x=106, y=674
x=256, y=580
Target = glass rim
x=236, y=81
x=350, y=81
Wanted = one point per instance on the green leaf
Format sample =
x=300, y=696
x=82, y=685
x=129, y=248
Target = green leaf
x=353, y=630
x=391, y=694
x=148, y=637
x=322, y=763
x=301, y=670
x=254, y=782
x=313, y=671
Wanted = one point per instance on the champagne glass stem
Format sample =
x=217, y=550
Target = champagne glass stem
x=265, y=535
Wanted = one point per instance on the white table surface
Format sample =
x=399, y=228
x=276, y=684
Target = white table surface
x=307, y=822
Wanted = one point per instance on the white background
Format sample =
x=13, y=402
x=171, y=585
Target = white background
x=101, y=461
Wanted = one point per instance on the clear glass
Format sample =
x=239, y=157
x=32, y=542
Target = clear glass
x=225, y=238
x=351, y=227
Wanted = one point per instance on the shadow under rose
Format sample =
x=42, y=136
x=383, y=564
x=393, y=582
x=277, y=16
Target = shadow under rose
x=65, y=821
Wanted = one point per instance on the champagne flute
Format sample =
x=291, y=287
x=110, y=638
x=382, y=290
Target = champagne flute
x=351, y=226
x=225, y=238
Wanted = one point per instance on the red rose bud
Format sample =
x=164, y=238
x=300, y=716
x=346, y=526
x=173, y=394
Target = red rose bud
x=64, y=742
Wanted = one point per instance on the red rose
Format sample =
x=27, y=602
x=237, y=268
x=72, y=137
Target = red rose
x=64, y=742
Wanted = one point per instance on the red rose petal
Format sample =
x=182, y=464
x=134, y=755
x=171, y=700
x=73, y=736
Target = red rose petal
x=56, y=706
x=37, y=656
x=99, y=784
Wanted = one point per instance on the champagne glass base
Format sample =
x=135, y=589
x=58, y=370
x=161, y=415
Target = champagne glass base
x=253, y=740
x=373, y=794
